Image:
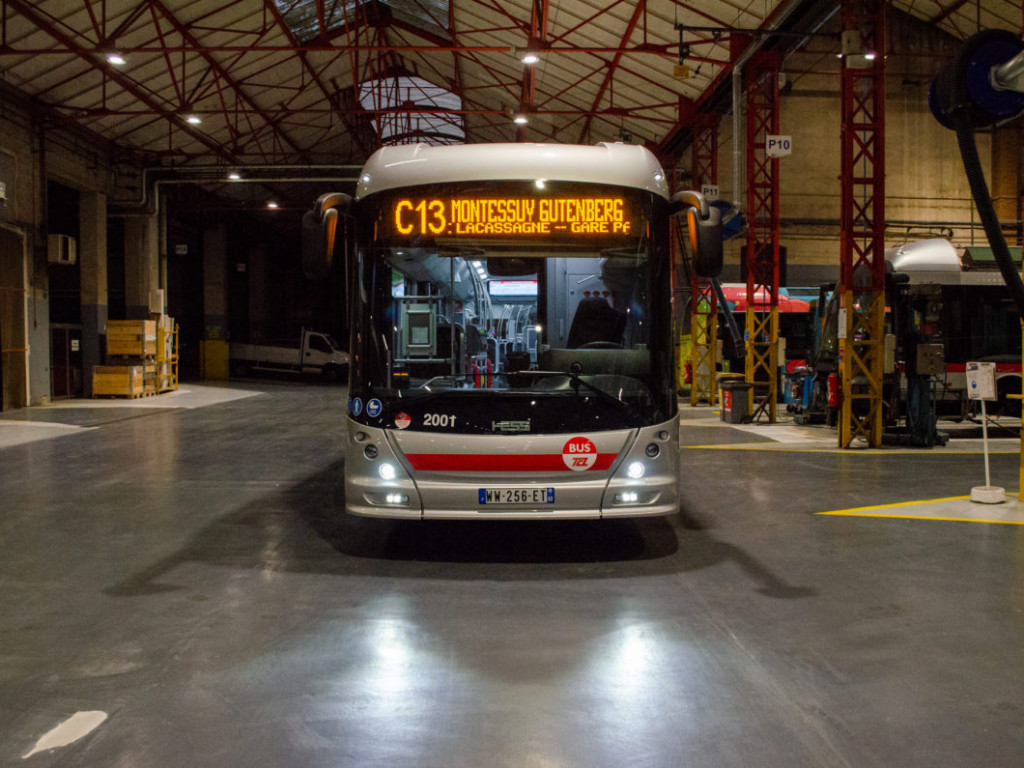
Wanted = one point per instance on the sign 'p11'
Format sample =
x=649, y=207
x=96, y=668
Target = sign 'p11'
x=778, y=146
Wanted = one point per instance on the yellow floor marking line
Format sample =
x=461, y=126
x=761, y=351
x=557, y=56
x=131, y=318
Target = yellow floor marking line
x=956, y=509
x=773, y=446
x=891, y=451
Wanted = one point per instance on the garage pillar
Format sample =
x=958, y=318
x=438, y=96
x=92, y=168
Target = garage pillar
x=92, y=258
x=141, y=264
x=214, y=346
x=13, y=322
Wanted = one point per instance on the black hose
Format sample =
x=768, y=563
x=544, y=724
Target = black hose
x=735, y=337
x=986, y=209
x=955, y=106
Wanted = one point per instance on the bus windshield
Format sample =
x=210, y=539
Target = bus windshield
x=504, y=307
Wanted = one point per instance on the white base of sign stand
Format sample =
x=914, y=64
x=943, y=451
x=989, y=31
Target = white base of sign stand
x=988, y=494
x=981, y=380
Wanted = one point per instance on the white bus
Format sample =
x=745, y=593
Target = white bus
x=959, y=300
x=512, y=350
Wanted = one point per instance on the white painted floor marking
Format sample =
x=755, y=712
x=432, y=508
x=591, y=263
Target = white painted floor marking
x=71, y=730
x=20, y=432
x=192, y=396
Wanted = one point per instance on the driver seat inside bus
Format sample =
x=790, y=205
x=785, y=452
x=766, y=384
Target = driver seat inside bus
x=596, y=320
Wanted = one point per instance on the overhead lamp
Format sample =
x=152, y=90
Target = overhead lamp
x=851, y=46
x=272, y=205
x=529, y=54
x=859, y=60
x=116, y=59
x=193, y=119
x=520, y=119
x=234, y=176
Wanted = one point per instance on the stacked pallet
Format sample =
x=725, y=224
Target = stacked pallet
x=141, y=358
x=131, y=369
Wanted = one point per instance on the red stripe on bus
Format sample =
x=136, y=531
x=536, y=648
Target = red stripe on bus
x=497, y=462
x=1005, y=367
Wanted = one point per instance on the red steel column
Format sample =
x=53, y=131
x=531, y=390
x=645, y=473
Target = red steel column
x=762, y=318
x=703, y=301
x=862, y=223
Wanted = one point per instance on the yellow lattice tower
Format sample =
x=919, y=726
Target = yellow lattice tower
x=704, y=343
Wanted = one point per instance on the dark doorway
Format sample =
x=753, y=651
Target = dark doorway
x=65, y=361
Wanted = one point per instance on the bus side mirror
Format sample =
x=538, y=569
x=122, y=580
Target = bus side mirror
x=704, y=227
x=320, y=233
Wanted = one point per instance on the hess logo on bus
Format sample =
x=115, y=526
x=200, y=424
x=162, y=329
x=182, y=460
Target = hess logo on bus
x=579, y=454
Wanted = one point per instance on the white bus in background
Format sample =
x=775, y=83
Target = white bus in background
x=959, y=300
x=512, y=343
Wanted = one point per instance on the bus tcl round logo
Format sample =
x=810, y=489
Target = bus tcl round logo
x=402, y=420
x=579, y=454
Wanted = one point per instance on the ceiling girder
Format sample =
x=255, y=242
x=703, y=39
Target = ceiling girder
x=610, y=73
x=220, y=71
x=124, y=82
x=604, y=67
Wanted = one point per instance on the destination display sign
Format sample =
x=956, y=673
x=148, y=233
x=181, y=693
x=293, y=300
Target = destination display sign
x=517, y=216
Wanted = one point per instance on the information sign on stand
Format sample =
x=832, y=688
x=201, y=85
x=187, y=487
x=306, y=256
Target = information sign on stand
x=981, y=381
x=981, y=386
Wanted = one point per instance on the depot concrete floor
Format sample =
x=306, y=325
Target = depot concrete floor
x=183, y=574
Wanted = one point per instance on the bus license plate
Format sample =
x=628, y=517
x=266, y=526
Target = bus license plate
x=522, y=496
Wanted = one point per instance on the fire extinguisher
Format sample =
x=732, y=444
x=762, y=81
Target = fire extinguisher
x=834, y=393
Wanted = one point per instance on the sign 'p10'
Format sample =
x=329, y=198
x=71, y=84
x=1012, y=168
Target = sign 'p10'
x=563, y=218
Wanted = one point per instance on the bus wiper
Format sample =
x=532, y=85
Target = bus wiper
x=575, y=381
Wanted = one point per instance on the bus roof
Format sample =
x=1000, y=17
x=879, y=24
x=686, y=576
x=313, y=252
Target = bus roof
x=935, y=261
x=736, y=295
x=624, y=165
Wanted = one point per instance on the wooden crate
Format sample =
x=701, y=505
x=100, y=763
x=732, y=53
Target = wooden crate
x=131, y=338
x=119, y=380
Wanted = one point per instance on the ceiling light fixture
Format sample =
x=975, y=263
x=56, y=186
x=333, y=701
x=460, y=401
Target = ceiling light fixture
x=234, y=176
x=272, y=205
x=116, y=59
x=520, y=120
x=529, y=57
x=193, y=119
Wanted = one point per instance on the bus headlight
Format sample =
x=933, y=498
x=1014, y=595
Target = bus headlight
x=636, y=470
x=387, y=471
